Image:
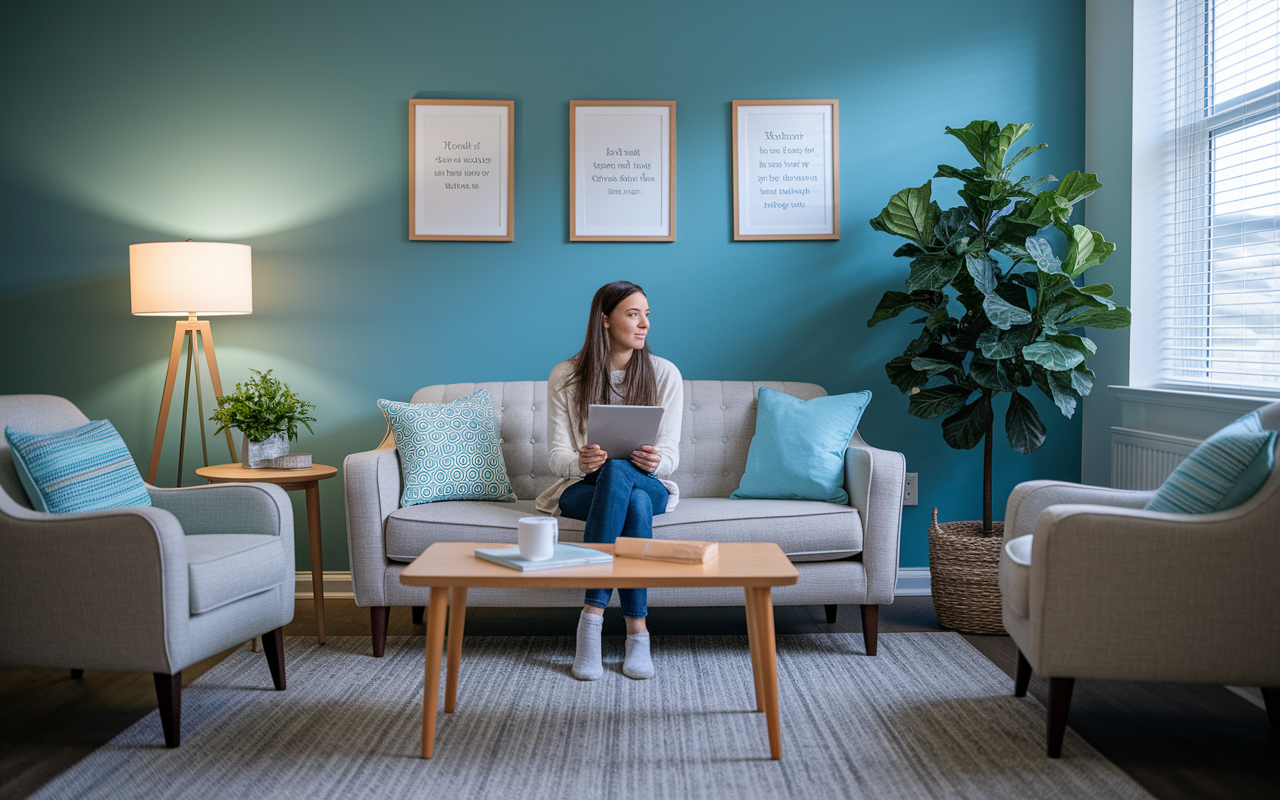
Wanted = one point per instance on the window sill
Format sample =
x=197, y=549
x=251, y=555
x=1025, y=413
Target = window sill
x=1178, y=412
x=1182, y=398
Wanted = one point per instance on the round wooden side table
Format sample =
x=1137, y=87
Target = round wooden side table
x=290, y=480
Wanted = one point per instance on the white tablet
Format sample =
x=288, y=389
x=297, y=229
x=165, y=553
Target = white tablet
x=621, y=429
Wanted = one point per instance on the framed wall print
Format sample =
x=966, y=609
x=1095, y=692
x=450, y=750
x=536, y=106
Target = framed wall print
x=786, y=169
x=622, y=171
x=461, y=170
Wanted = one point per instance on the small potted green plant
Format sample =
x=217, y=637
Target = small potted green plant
x=267, y=412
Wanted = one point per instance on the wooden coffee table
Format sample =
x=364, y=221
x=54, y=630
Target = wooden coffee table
x=450, y=568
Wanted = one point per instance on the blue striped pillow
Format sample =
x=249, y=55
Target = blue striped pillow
x=81, y=469
x=1224, y=471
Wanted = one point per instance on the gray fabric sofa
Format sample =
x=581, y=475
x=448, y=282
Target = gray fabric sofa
x=140, y=589
x=845, y=553
x=1094, y=586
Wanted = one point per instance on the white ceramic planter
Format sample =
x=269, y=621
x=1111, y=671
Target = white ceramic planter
x=252, y=454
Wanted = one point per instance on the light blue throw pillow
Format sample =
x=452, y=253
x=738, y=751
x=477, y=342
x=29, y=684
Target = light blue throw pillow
x=1226, y=469
x=797, y=452
x=87, y=468
x=449, y=451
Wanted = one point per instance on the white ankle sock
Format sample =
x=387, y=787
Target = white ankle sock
x=586, y=661
x=638, y=664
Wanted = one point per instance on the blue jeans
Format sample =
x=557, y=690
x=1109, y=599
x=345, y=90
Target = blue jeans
x=616, y=500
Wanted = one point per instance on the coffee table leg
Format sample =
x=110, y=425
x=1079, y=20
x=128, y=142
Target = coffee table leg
x=317, y=555
x=457, y=620
x=435, y=649
x=763, y=597
x=753, y=637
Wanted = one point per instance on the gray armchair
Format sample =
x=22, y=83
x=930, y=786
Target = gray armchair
x=140, y=589
x=1095, y=587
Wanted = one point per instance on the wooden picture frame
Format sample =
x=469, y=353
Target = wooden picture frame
x=462, y=170
x=781, y=191
x=622, y=171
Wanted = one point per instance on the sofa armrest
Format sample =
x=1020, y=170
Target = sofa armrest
x=259, y=508
x=1030, y=498
x=875, y=480
x=372, y=486
x=98, y=590
x=1131, y=594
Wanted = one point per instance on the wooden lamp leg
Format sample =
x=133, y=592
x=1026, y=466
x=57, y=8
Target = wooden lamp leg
x=171, y=376
x=206, y=333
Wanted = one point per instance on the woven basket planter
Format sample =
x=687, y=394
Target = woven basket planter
x=964, y=574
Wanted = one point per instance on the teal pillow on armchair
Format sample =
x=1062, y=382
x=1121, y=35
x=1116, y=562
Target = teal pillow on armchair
x=797, y=452
x=86, y=468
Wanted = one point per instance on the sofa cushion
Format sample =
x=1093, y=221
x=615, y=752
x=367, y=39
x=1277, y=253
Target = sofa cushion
x=1015, y=575
x=805, y=530
x=225, y=567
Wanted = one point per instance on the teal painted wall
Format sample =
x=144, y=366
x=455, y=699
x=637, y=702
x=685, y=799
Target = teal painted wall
x=283, y=125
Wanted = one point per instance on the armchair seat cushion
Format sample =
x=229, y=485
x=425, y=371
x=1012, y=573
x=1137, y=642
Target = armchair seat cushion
x=806, y=530
x=1015, y=575
x=225, y=567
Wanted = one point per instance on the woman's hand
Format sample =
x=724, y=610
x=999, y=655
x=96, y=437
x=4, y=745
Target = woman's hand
x=591, y=458
x=646, y=459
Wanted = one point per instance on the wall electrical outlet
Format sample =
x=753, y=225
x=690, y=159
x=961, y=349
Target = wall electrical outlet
x=911, y=493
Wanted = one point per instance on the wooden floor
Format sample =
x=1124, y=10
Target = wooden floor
x=1177, y=741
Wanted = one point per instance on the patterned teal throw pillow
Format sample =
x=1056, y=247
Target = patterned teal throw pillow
x=1226, y=469
x=449, y=451
x=87, y=468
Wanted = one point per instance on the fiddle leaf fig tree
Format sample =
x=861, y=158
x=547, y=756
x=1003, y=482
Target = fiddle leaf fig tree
x=1002, y=313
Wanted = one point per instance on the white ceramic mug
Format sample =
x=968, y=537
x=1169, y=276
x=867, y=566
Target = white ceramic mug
x=537, y=537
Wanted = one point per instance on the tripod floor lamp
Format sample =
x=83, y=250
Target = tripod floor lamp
x=186, y=279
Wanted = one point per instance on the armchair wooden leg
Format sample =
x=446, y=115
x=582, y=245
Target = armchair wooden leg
x=77, y=674
x=831, y=613
x=870, y=627
x=1059, y=705
x=378, y=616
x=1271, y=698
x=1021, y=677
x=273, y=647
x=417, y=613
x=169, y=698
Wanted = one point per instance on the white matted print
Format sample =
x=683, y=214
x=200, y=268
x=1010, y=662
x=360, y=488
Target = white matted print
x=461, y=177
x=786, y=169
x=622, y=178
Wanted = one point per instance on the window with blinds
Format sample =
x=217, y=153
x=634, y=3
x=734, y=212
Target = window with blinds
x=1220, y=295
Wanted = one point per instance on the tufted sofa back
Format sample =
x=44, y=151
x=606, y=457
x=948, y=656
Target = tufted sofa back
x=718, y=422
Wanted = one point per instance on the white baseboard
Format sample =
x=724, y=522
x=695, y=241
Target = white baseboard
x=912, y=582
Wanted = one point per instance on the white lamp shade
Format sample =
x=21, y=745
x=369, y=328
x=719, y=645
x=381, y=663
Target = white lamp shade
x=174, y=279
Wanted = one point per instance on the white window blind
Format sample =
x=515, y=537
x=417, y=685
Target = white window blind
x=1219, y=294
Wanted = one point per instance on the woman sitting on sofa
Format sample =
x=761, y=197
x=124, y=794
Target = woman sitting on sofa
x=617, y=494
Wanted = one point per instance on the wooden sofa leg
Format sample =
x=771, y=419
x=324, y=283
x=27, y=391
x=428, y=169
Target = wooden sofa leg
x=77, y=674
x=1271, y=699
x=169, y=698
x=417, y=614
x=378, y=616
x=273, y=648
x=870, y=627
x=831, y=613
x=1059, y=705
x=1022, y=676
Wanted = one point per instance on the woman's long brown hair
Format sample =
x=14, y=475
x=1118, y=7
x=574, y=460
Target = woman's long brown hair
x=591, y=364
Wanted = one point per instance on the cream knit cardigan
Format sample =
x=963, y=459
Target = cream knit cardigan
x=564, y=439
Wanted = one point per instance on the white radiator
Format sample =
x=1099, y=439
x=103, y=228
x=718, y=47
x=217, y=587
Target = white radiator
x=1142, y=459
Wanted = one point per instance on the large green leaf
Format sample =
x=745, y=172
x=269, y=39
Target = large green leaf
x=964, y=429
x=938, y=317
x=1003, y=314
x=1023, y=153
x=1078, y=185
x=995, y=345
x=1103, y=318
x=1064, y=397
x=933, y=366
x=1081, y=344
x=1081, y=379
x=988, y=142
x=938, y=400
x=1052, y=355
x=966, y=175
x=910, y=214
x=1086, y=249
x=1023, y=425
x=933, y=272
x=1098, y=289
x=953, y=228
x=987, y=373
x=983, y=272
x=1042, y=253
x=1044, y=209
x=890, y=306
x=903, y=376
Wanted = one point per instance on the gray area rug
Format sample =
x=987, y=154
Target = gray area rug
x=927, y=717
